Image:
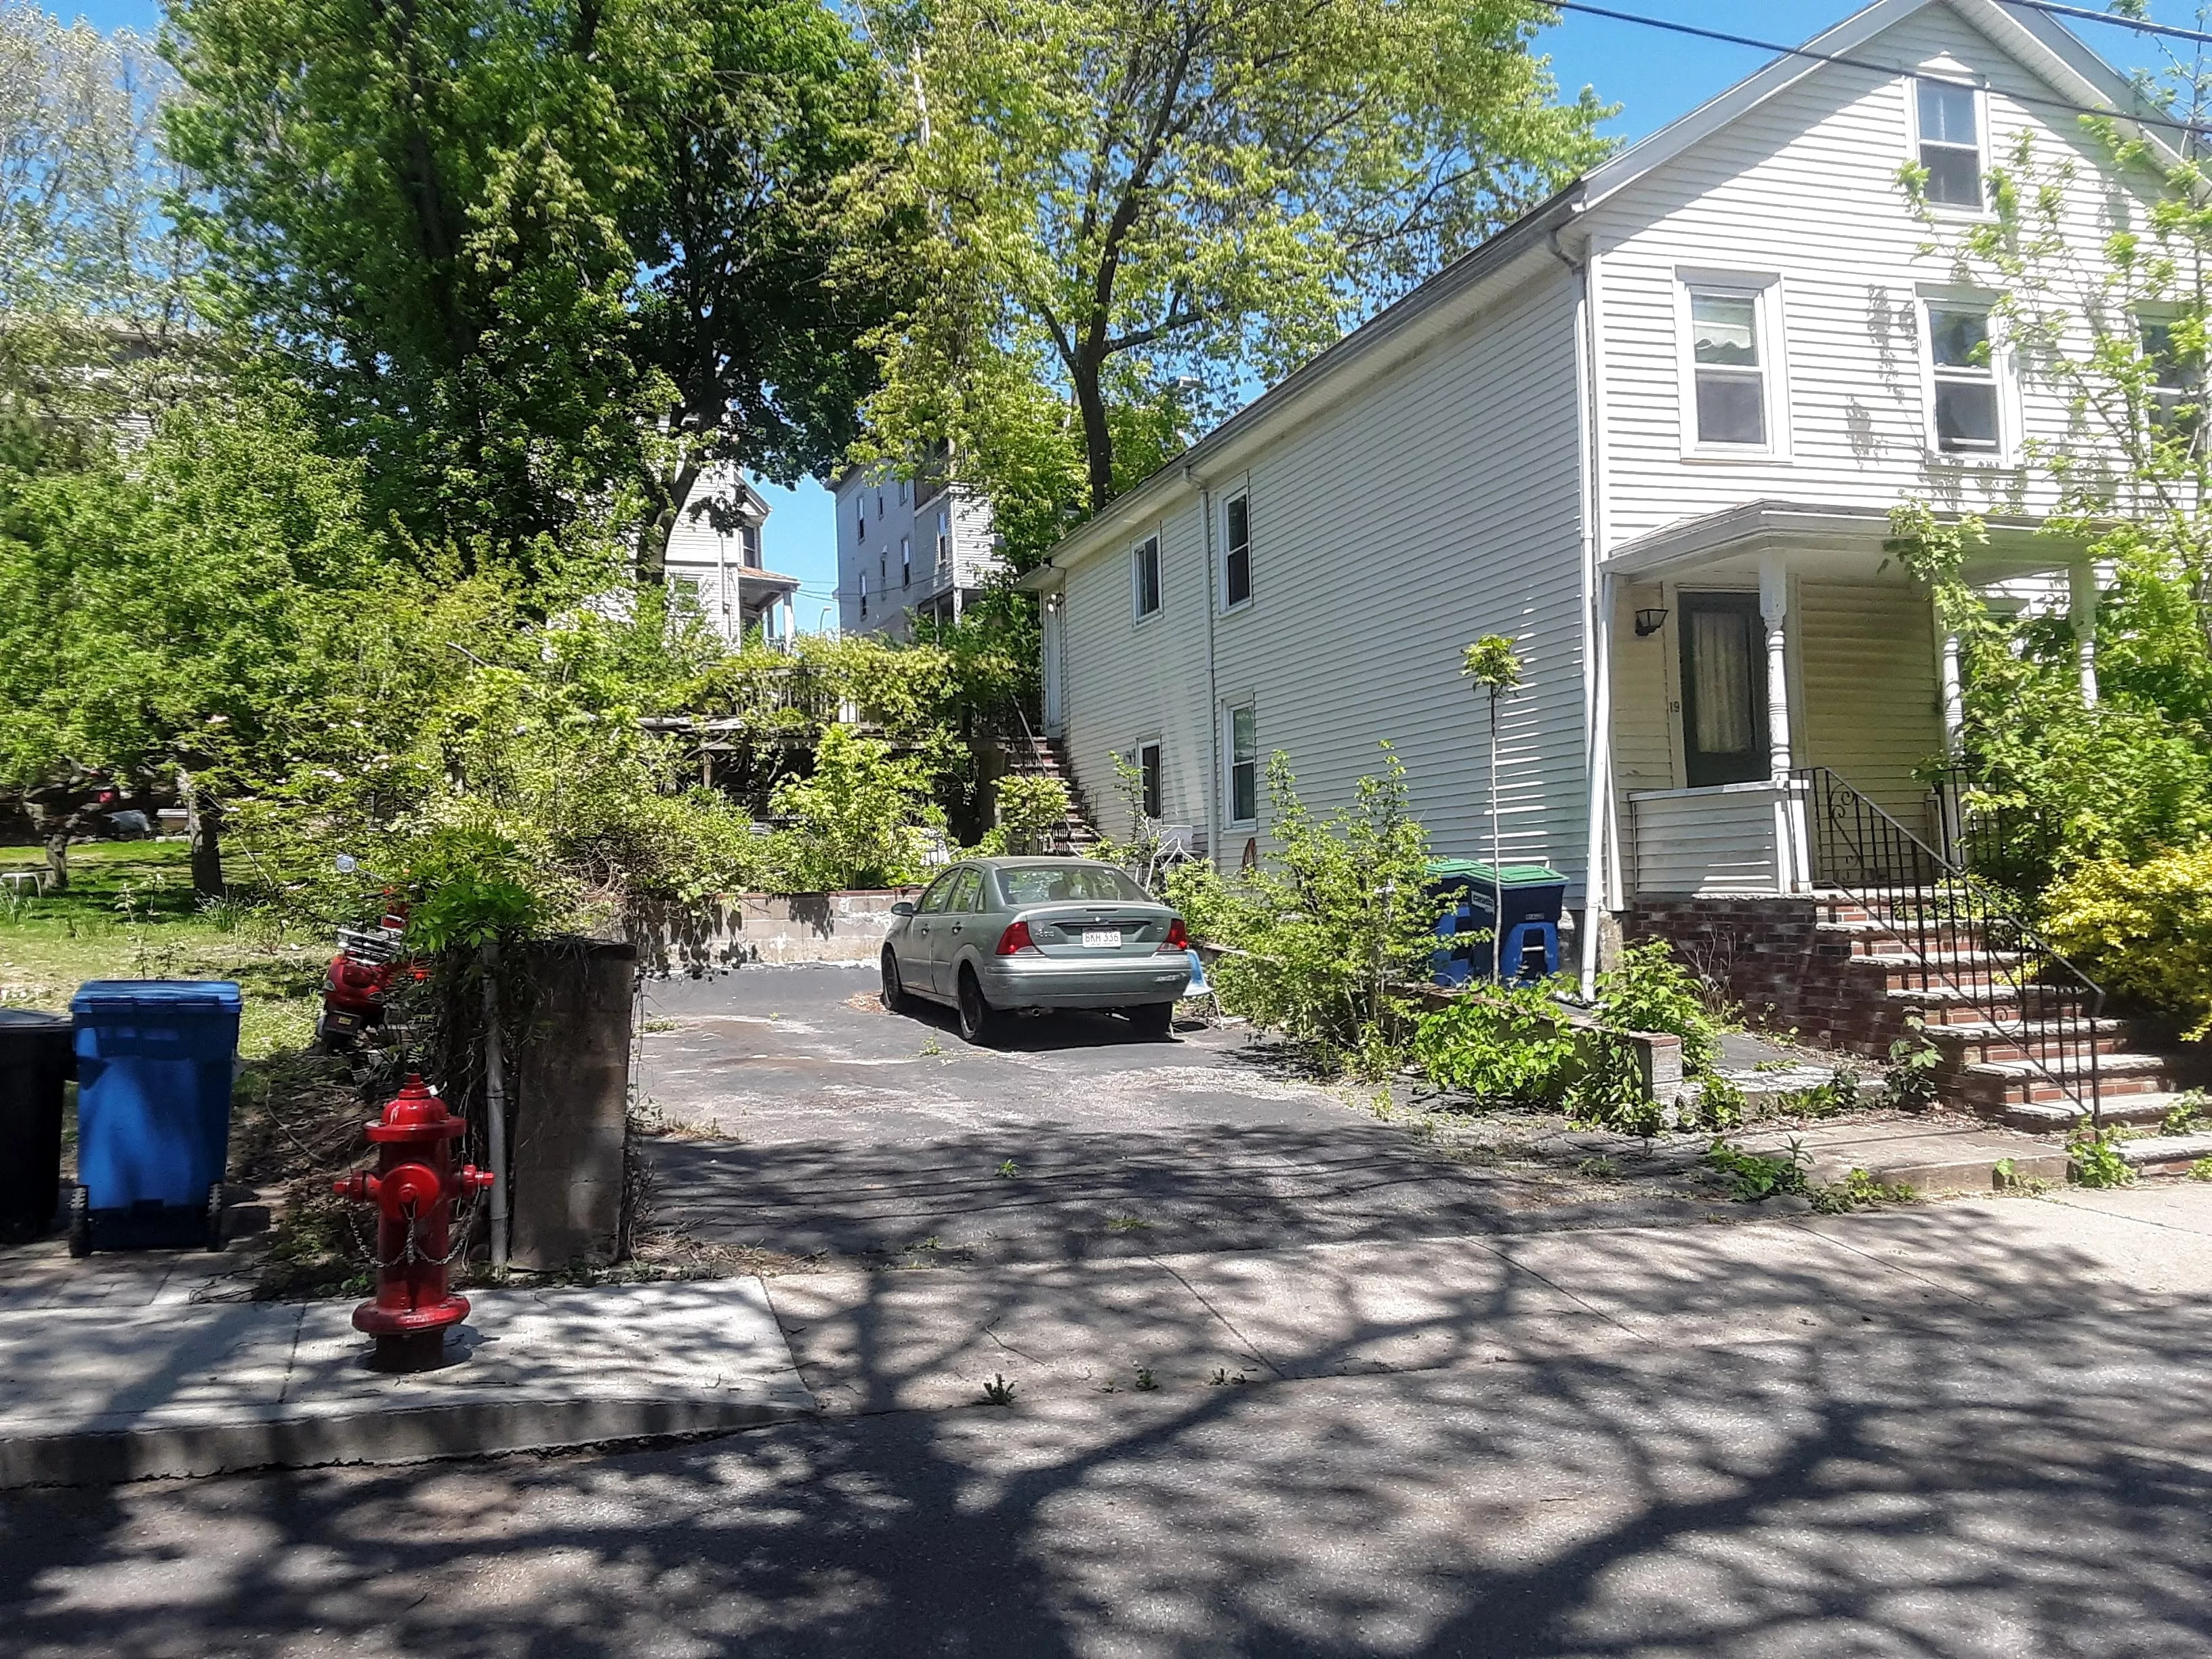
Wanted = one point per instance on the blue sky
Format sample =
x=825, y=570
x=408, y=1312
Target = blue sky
x=1653, y=74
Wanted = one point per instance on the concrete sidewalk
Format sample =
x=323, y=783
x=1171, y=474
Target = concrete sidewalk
x=97, y=1393
x=100, y=1392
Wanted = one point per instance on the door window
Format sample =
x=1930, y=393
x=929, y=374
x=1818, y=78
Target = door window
x=967, y=885
x=939, y=894
x=1723, y=705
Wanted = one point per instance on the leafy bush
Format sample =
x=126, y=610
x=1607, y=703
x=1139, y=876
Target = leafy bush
x=1647, y=990
x=474, y=888
x=1502, y=1048
x=1326, y=937
x=2096, y=1159
x=862, y=820
x=1029, y=809
x=2144, y=929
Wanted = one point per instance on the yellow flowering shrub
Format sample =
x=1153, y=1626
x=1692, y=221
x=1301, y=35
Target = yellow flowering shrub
x=2144, y=930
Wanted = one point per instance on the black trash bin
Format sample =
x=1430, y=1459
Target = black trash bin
x=35, y=1060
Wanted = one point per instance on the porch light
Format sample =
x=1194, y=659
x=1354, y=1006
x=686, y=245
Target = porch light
x=1649, y=623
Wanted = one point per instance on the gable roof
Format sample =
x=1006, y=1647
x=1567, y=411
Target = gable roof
x=2038, y=41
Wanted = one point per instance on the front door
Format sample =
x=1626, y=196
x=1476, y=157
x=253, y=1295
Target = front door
x=1723, y=691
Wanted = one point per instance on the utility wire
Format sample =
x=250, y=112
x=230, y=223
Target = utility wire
x=2141, y=118
x=2140, y=25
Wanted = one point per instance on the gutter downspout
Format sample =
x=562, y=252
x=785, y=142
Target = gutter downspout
x=1597, y=617
x=1213, y=692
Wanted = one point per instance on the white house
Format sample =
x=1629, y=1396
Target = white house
x=722, y=566
x=1652, y=431
x=913, y=547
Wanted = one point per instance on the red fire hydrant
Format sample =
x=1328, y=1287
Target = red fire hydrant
x=414, y=1187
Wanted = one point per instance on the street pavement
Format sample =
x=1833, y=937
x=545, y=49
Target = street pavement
x=1970, y=1429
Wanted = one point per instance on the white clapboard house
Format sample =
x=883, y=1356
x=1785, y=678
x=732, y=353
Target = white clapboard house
x=1653, y=431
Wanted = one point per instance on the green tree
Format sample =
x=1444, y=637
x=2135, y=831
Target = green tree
x=1137, y=209
x=540, y=264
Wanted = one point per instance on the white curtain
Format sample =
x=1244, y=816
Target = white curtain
x=1720, y=662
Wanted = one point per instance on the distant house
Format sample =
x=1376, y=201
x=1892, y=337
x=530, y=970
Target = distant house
x=913, y=547
x=1651, y=431
x=720, y=566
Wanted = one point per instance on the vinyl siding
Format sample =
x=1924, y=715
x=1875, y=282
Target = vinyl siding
x=1644, y=727
x=1872, y=704
x=1804, y=188
x=1440, y=503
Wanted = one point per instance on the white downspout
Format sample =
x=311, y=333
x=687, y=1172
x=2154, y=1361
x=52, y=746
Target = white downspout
x=1213, y=692
x=1597, y=622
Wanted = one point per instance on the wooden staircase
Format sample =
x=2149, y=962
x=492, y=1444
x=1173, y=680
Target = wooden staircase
x=1032, y=756
x=2019, y=1054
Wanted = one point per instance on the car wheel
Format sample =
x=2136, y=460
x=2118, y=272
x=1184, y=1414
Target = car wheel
x=1151, y=1019
x=979, y=1021
x=896, y=1000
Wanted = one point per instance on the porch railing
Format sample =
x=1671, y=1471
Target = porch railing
x=1963, y=937
x=2009, y=848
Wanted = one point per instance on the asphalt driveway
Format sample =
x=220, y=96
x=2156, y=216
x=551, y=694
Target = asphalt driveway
x=797, y=1116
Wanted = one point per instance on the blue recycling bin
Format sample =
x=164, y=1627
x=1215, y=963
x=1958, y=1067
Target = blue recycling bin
x=155, y=1060
x=1534, y=897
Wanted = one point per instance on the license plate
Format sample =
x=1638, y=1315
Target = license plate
x=1102, y=939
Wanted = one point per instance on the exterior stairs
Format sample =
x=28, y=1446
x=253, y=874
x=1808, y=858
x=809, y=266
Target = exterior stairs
x=1030, y=757
x=2016, y=1054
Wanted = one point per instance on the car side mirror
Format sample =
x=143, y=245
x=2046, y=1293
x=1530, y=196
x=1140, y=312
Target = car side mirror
x=903, y=908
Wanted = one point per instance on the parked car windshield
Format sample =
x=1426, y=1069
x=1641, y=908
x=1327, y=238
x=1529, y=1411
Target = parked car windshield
x=1059, y=884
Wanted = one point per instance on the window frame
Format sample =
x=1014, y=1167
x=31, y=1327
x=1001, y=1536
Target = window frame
x=1151, y=769
x=1140, y=613
x=1916, y=144
x=1933, y=378
x=1765, y=290
x=1249, y=707
x=1240, y=496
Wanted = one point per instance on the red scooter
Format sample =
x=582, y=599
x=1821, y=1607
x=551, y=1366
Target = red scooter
x=358, y=987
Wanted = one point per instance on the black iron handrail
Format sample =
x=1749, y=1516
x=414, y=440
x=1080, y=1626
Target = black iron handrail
x=1942, y=912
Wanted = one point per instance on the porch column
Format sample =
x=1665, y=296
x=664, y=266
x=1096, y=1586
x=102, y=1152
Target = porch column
x=1954, y=700
x=2081, y=611
x=1790, y=875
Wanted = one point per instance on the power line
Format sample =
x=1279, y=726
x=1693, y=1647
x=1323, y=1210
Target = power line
x=2140, y=25
x=2144, y=118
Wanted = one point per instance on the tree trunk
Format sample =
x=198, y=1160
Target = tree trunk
x=58, y=859
x=204, y=825
x=1097, y=439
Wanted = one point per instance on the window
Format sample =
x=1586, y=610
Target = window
x=864, y=592
x=748, y=539
x=944, y=541
x=1727, y=370
x=1148, y=773
x=940, y=893
x=1243, y=765
x=1145, y=577
x=879, y=504
x=1237, y=554
x=967, y=888
x=1951, y=144
x=906, y=561
x=1965, y=379
x=2176, y=388
x=861, y=518
x=903, y=486
x=1058, y=883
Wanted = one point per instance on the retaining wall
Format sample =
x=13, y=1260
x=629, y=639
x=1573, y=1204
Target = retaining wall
x=738, y=928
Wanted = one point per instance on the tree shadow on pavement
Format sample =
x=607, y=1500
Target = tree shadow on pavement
x=1908, y=1435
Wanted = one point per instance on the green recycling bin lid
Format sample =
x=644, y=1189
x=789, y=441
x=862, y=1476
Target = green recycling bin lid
x=1516, y=875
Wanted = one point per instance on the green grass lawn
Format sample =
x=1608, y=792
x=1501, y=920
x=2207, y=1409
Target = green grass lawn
x=130, y=913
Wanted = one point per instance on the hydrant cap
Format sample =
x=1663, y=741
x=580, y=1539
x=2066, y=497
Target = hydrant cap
x=414, y=1114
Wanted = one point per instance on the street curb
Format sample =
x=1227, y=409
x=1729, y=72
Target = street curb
x=417, y=1434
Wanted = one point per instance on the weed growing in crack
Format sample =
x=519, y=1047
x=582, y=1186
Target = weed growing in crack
x=1129, y=1224
x=1146, y=1383
x=2096, y=1158
x=999, y=1392
x=1009, y=1169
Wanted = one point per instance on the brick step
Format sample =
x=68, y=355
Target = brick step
x=2058, y=1117
x=1982, y=972
x=1971, y=1042
x=1878, y=938
x=2002, y=1083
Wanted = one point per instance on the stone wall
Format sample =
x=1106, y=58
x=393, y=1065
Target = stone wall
x=1773, y=960
x=738, y=928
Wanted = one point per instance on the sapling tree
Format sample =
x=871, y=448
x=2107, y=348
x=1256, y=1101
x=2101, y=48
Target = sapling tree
x=1491, y=664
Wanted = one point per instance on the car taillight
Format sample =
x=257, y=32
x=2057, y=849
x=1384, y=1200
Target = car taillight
x=1177, y=941
x=1016, y=938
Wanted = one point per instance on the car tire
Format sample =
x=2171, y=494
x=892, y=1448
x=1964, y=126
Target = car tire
x=1154, y=1020
x=896, y=1000
x=979, y=1021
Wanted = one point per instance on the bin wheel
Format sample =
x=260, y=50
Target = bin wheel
x=214, y=1240
x=79, y=1221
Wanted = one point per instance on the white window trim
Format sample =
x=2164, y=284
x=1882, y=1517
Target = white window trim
x=1153, y=741
x=1138, y=614
x=1956, y=77
x=1237, y=489
x=2006, y=454
x=1229, y=711
x=1765, y=290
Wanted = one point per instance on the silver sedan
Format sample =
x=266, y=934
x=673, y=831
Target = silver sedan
x=992, y=937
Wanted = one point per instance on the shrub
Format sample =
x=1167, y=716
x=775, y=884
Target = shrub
x=1649, y=990
x=862, y=820
x=2144, y=929
x=1029, y=809
x=1502, y=1048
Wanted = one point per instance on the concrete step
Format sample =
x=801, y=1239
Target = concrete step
x=2167, y=1154
x=2059, y=1117
x=1973, y=1042
x=1929, y=1158
x=2025, y=1082
x=1873, y=936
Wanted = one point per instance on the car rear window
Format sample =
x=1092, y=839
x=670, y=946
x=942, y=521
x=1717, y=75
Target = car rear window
x=1065, y=884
